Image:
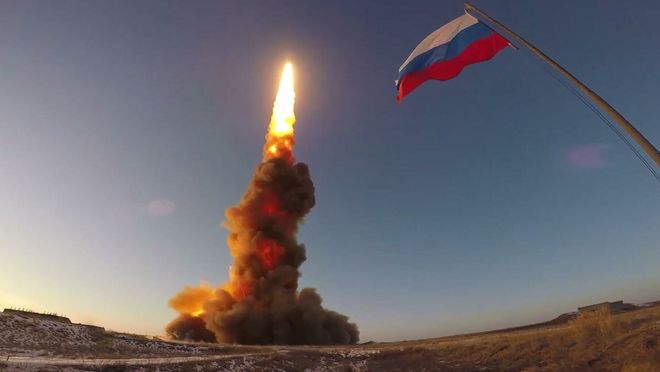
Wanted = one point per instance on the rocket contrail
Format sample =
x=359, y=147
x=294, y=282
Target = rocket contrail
x=261, y=303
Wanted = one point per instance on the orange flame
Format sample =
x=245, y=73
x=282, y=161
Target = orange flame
x=280, y=140
x=270, y=253
x=191, y=299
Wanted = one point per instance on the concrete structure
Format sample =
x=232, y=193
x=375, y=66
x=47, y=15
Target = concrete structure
x=613, y=307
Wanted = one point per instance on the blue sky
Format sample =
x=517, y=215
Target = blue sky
x=494, y=199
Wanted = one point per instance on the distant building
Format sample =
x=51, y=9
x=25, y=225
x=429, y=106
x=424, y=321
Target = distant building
x=612, y=307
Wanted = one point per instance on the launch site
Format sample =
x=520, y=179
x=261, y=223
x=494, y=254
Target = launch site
x=329, y=186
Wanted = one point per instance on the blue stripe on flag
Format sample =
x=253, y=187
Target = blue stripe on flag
x=448, y=50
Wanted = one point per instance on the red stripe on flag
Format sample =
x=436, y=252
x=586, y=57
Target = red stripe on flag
x=479, y=51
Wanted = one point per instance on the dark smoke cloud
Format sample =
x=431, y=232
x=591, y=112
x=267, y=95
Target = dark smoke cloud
x=261, y=303
x=189, y=328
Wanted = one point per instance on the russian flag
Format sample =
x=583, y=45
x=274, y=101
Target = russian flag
x=444, y=53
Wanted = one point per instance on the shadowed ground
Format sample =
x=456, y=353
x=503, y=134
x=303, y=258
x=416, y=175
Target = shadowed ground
x=593, y=341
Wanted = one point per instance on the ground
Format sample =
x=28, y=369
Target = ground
x=595, y=341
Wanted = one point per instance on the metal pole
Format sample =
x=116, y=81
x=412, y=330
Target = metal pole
x=600, y=102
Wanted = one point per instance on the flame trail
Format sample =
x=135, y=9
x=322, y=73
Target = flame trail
x=280, y=140
x=261, y=303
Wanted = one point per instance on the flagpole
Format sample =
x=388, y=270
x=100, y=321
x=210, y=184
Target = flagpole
x=597, y=100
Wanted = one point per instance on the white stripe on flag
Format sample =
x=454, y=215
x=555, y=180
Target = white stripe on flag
x=441, y=36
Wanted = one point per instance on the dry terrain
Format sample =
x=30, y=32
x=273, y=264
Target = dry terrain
x=591, y=341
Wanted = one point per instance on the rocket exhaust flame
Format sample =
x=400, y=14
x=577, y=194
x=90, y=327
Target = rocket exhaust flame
x=280, y=140
x=283, y=118
x=261, y=303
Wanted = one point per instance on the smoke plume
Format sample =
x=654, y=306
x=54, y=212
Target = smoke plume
x=261, y=303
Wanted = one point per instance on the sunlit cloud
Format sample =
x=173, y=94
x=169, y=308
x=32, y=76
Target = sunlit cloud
x=588, y=156
x=161, y=207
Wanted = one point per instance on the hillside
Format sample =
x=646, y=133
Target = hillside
x=589, y=341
